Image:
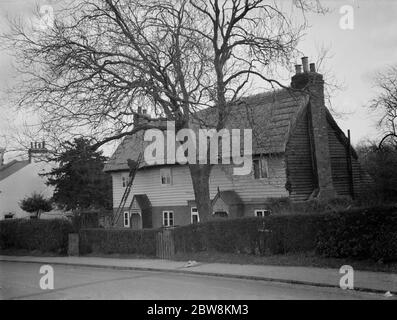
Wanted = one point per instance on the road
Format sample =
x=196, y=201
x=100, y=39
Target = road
x=21, y=281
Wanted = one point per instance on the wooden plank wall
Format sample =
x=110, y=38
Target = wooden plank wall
x=339, y=163
x=300, y=175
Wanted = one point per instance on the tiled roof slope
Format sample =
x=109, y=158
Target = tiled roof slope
x=270, y=115
x=230, y=197
x=12, y=167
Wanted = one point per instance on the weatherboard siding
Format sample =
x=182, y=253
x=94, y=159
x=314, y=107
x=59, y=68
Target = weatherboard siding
x=147, y=181
x=301, y=177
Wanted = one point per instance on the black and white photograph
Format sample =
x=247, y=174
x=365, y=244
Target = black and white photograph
x=197, y=157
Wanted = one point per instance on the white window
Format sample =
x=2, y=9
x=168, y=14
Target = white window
x=168, y=218
x=126, y=219
x=262, y=213
x=165, y=176
x=194, y=215
x=260, y=167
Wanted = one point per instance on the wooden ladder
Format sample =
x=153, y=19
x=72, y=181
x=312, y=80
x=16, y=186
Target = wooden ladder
x=133, y=169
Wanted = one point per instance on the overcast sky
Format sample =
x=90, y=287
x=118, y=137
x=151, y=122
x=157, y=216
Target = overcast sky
x=354, y=56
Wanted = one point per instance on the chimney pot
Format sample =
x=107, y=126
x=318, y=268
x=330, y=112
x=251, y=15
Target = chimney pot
x=31, y=145
x=298, y=68
x=305, y=64
x=139, y=110
x=43, y=144
x=35, y=145
x=312, y=67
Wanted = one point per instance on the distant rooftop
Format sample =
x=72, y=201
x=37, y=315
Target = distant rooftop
x=12, y=167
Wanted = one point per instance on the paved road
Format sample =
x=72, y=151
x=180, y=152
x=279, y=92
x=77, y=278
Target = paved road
x=21, y=281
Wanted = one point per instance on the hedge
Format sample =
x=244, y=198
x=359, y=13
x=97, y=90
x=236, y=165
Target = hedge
x=272, y=234
x=124, y=241
x=361, y=234
x=35, y=234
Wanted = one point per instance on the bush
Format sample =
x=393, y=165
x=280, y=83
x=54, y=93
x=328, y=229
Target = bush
x=272, y=234
x=124, y=241
x=361, y=234
x=41, y=235
x=284, y=205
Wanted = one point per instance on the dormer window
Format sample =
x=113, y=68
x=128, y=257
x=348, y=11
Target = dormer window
x=165, y=176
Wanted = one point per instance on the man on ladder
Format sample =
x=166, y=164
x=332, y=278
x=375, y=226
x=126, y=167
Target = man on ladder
x=134, y=166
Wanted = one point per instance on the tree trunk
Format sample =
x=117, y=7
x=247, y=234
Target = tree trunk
x=200, y=174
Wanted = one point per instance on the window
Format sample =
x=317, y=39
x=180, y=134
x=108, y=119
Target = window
x=168, y=218
x=194, y=215
x=165, y=176
x=261, y=169
x=126, y=219
x=262, y=213
x=220, y=214
x=125, y=180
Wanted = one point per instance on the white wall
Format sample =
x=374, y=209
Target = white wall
x=250, y=190
x=22, y=184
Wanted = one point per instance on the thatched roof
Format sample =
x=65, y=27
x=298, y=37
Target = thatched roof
x=270, y=115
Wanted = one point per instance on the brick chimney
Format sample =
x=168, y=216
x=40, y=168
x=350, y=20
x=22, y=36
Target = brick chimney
x=141, y=116
x=313, y=83
x=36, y=149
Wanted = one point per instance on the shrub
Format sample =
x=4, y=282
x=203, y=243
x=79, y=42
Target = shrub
x=42, y=235
x=361, y=233
x=272, y=234
x=124, y=241
x=284, y=205
x=36, y=203
x=355, y=233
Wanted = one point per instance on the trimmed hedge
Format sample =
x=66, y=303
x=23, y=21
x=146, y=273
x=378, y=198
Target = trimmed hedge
x=35, y=234
x=272, y=235
x=124, y=241
x=361, y=234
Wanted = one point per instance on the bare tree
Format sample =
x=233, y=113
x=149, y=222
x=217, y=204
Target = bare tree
x=386, y=103
x=100, y=60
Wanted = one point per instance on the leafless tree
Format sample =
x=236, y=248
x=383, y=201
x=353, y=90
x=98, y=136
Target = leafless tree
x=386, y=103
x=102, y=59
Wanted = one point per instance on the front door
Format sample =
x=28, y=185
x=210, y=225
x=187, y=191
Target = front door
x=136, y=220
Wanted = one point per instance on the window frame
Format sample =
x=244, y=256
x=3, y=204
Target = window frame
x=263, y=211
x=263, y=166
x=167, y=219
x=227, y=213
x=167, y=170
x=194, y=213
x=128, y=219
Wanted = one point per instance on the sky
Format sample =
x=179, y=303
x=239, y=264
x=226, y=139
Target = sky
x=354, y=56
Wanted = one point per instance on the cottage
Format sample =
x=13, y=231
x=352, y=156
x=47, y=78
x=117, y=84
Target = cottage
x=298, y=152
x=21, y=178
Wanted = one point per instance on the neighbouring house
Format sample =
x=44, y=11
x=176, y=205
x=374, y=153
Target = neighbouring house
x=21, y=178
x=299, y=152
